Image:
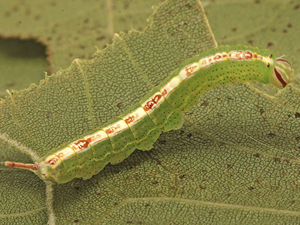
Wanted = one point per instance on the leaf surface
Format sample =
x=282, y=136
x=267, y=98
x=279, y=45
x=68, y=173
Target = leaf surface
x=234, y=161
x=63, y=30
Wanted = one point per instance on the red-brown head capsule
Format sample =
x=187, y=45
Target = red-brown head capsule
x=282, y=73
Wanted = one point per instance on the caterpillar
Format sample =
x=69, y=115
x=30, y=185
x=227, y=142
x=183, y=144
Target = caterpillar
x=160, y=110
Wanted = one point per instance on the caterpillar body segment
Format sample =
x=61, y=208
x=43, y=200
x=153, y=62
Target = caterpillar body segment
x=160, y=110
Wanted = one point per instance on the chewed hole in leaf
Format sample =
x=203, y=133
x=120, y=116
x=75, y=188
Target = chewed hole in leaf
x=22, y=63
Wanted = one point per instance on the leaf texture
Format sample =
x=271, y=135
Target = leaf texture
x=235, y=160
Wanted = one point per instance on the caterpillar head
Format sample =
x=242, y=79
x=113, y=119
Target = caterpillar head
x=282, y=73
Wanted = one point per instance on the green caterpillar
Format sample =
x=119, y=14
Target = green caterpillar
x=159, y=111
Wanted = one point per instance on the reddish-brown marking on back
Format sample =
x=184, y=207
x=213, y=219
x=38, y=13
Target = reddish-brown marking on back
x=94, y=138
x=80, y=145
x=112, y=129
x=248, y=55
x=164, y=92
x=204, y=62
x=217, y=56
x=279, y=77
x=190, y=70
x=52, y=161
x=149, y=105
x=232, y=55
x=130, y=119
x=240, y=55
x=157, y=98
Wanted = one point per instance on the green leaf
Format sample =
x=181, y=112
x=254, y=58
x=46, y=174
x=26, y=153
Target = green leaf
x=82, y=97
x=234, y=161
x=64, y=29
x=21, y=63
x=268, y=24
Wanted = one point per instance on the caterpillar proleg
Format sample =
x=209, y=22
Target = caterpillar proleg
x=160, y=110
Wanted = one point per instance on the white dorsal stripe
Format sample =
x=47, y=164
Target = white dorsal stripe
x=96, y=137
x=154, y=101
x=170, y=86
x=188, y=71
x=135, y=116
x=115, y=128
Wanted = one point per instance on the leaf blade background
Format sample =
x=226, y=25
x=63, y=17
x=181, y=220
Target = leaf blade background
x=195, y=182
